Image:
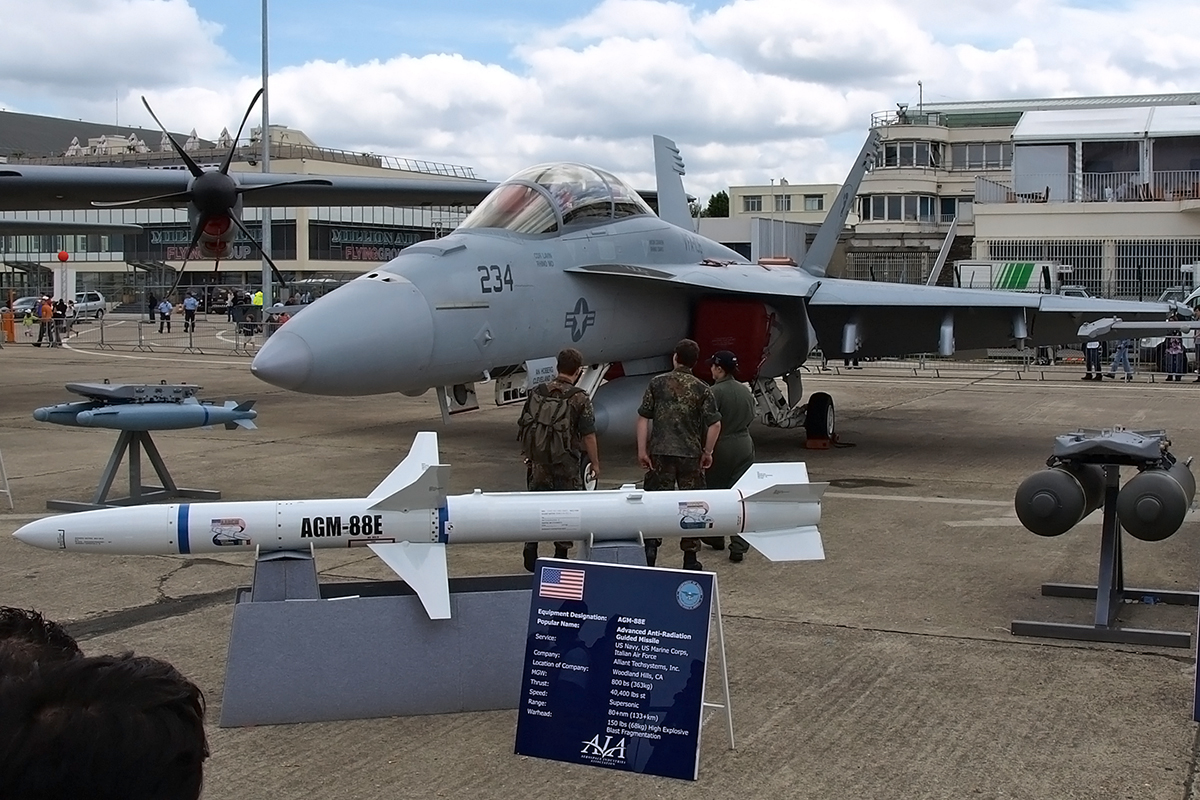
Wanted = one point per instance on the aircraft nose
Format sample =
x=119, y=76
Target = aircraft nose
x=370, y=336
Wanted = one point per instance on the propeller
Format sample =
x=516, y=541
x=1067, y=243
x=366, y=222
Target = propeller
x=213, y=194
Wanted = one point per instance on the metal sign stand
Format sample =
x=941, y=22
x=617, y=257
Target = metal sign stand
x=725, y=706
x=4, y=480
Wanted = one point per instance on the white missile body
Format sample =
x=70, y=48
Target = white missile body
x=408, y=520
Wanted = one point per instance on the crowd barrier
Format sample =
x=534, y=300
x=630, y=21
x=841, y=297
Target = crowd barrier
x=211, y=334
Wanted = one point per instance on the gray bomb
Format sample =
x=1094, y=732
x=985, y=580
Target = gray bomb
x=1153, y=503
x=1054, y=500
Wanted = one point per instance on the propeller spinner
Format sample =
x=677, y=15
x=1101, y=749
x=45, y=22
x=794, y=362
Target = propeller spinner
x=214, y=199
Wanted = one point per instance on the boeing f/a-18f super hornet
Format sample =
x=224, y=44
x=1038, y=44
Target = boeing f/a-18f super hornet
x=568, y=255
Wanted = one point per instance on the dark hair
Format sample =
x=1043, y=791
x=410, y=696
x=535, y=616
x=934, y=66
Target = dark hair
x=107, y=727
x=686, y=353
x=27, y=635
x=569, y=360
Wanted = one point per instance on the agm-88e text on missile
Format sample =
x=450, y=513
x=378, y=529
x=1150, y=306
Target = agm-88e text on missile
x=319, y=527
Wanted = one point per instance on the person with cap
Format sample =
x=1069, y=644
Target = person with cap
x=734, y=450
x=677, y=449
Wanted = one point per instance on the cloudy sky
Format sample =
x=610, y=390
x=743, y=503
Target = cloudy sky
x=752, y=90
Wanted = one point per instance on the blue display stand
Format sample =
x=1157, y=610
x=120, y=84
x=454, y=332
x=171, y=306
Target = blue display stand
x=615, y=667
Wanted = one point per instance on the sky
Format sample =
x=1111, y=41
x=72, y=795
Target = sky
x=751, y=90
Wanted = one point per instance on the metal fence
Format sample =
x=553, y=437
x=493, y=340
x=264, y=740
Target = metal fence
x=212, y=334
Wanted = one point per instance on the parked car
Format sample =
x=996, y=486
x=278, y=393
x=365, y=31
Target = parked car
x=1074, y=291
x=90, y=304
x=25, y=304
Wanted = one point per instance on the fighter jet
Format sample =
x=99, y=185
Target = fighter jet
x=569, y=255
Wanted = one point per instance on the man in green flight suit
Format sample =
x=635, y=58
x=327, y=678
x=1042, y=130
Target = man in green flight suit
x=680, y=446
x=734, y=452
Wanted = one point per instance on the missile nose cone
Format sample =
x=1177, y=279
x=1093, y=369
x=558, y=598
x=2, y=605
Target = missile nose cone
x=285, y=360
x=41, y=414
x=39, y=533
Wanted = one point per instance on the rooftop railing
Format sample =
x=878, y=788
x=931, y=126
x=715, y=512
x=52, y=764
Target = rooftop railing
x=250, y=153
x=1092, y=187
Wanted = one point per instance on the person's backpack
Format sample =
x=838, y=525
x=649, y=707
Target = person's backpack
x=545, y=426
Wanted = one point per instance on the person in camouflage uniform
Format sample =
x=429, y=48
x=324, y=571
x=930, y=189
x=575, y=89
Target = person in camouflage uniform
x=679, y=447
x=567, y=474
x=734, y=452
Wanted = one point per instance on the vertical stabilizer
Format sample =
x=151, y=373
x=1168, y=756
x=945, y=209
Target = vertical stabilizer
x=669, y=172
x=820, y=253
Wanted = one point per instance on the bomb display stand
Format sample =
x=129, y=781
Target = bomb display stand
x=300, y=651
x=1084, y=474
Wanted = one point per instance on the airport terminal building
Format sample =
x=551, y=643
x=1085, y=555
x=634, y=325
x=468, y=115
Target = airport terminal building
x=317, y=246
x=1107, y=185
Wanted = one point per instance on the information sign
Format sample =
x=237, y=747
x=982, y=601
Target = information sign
x=615, y=666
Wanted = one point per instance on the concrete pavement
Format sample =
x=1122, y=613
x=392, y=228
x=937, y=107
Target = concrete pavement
x=886, y=671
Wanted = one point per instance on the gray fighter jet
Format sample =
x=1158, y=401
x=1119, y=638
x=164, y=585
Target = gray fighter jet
x=569, y=255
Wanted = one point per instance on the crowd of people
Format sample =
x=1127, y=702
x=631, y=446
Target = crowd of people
x=689, y=435
x=53, y=318
x=105, y=727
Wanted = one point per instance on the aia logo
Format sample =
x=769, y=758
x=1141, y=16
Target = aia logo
x=609, y=749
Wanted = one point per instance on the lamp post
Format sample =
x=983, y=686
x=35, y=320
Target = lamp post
x=267, y=289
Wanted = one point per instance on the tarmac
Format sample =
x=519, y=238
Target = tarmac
x=885, y=671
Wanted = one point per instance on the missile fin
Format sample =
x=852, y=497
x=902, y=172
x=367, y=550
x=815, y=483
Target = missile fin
x=428, y=490
x=422, y=566
x=422, y=455
x=794, y=544
x=789, y=493
x=764, y=476
x=240, y=423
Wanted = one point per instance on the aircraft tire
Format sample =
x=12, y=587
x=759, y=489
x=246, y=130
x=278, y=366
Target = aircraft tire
x=819, y=417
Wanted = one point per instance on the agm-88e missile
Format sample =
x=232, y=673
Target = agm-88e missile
x=408, y=520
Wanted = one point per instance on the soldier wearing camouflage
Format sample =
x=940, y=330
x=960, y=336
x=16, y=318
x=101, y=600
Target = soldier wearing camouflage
x=565, y=474
x=678, y=448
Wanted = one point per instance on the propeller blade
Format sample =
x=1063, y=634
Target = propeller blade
x=229, y=156
x=304, y=182
x=118, y=203
x=261, y=252
x=192, y=166
x=187, y=254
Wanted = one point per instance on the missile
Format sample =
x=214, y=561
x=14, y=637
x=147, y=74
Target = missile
x=408, y=520
x=150, y=416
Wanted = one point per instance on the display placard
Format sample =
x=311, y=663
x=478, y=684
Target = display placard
x=615, y=666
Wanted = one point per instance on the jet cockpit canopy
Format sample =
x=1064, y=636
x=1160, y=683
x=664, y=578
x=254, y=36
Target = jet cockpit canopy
x=548, y=197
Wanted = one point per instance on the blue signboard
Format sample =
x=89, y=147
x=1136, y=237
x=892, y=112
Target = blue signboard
x=615, y=666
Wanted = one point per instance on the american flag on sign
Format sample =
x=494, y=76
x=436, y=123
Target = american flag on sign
x=565, y=584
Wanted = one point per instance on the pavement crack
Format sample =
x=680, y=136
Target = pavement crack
x=1185, y=657
x=162, y=608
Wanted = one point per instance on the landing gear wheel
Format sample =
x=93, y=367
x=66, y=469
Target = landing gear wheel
x=818, y=417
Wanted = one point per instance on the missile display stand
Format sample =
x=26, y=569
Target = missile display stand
x=133, y=443
x=1110, y=591
x=301, y=651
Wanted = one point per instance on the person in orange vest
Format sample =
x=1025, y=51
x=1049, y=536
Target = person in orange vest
x=46, y=320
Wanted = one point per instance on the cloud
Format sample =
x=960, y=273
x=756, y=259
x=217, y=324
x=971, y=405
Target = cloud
x=751, y=89
x=76, y=49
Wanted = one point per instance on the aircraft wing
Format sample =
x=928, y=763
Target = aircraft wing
x=37, y=187
x=896, y=318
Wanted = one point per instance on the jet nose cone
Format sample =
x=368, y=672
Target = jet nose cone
x=285, y=360
x=373, y=335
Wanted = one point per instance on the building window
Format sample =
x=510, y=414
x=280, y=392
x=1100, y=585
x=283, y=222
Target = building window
x=899, y=208
x=981, y=155
x=911, y=154
x=814, y=202
x=752, y=202
x=783, y=202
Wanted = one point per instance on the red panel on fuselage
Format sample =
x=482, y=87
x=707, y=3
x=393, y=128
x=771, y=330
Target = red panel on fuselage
x=741, y=326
